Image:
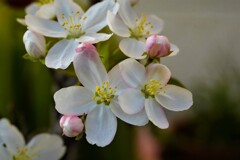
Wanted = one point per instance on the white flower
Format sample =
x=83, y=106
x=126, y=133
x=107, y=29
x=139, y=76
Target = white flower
x=149, y=88
x=74, y=26
x=97, y=99
x=42, y=8
x=41, y=147
x=35, y=44
x=135, y=29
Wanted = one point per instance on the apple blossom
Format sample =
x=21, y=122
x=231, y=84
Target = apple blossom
x=73, y=26
x=149, y=88
x=42, y=146
x=97, y=99
x=135, y=29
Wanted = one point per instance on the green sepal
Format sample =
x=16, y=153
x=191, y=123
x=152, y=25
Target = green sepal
x=33, y=59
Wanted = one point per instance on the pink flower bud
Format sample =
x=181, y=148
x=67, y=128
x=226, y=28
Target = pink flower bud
x=158, y=46
x=71, y=125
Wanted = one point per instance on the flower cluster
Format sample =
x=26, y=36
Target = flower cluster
x=42, y=146
x=133, y=89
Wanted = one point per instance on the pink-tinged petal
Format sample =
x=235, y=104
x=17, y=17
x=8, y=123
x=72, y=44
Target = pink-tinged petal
x=133, y=48
x=32, y=8
x=131, y=101
x=116, y=25
x=4, y=153
x=174, y=49
x=175, y=98
x=94, y=37
x=138, y=119
x=61, y=54
x=45, y=27
x=74, y=100
x=157, y=24
x=159, y=73
x=101, y=126
x=89, y=67
x=127, y=13
x=155, y=113
x=46, y=11
x=46, y=146
x=133, y=73
x=116, y=80
x=96, y=15
x=11, y=136
x=66, y=8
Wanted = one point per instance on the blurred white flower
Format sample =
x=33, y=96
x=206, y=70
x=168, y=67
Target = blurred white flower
x=149, y=88
x=35, y=44
x=42, y=8
x=72, y=125
x=41, y=147
x=74, y=26
x=97, y=99
x=135, y=29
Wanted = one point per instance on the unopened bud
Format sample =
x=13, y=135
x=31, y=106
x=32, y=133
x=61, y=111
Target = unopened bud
x=72, y=125
x=158, y=46
x=35, y=44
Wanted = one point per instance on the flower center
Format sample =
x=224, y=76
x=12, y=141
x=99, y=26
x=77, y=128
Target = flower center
x=104, y=93
x=151, y=88
x=142, y=28
x=22, y=155
x=73, y=24
x=42, y=2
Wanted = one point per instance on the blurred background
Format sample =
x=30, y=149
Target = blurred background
x=207, y=33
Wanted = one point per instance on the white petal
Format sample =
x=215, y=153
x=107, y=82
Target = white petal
x=21, y=21
x=101, y=126
x=116, y=80
x=155, y=113
x=46, y=11
x=139, y=119
x=127, y=13
x=175, y=98
x=11, y=136
x=74, y=100
x=174, y=50
x=159, y=73
x=131, y=101
x=157, y=24
x=47, y=147
x=88, y=67
x=32, y=8
x=133, y=73
x=133, y=48
x=94, y=37
x=61, y=54
x=45, y=27
x=96, y=15
x=4, y=153
x=116, y=25
x=67, y=8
